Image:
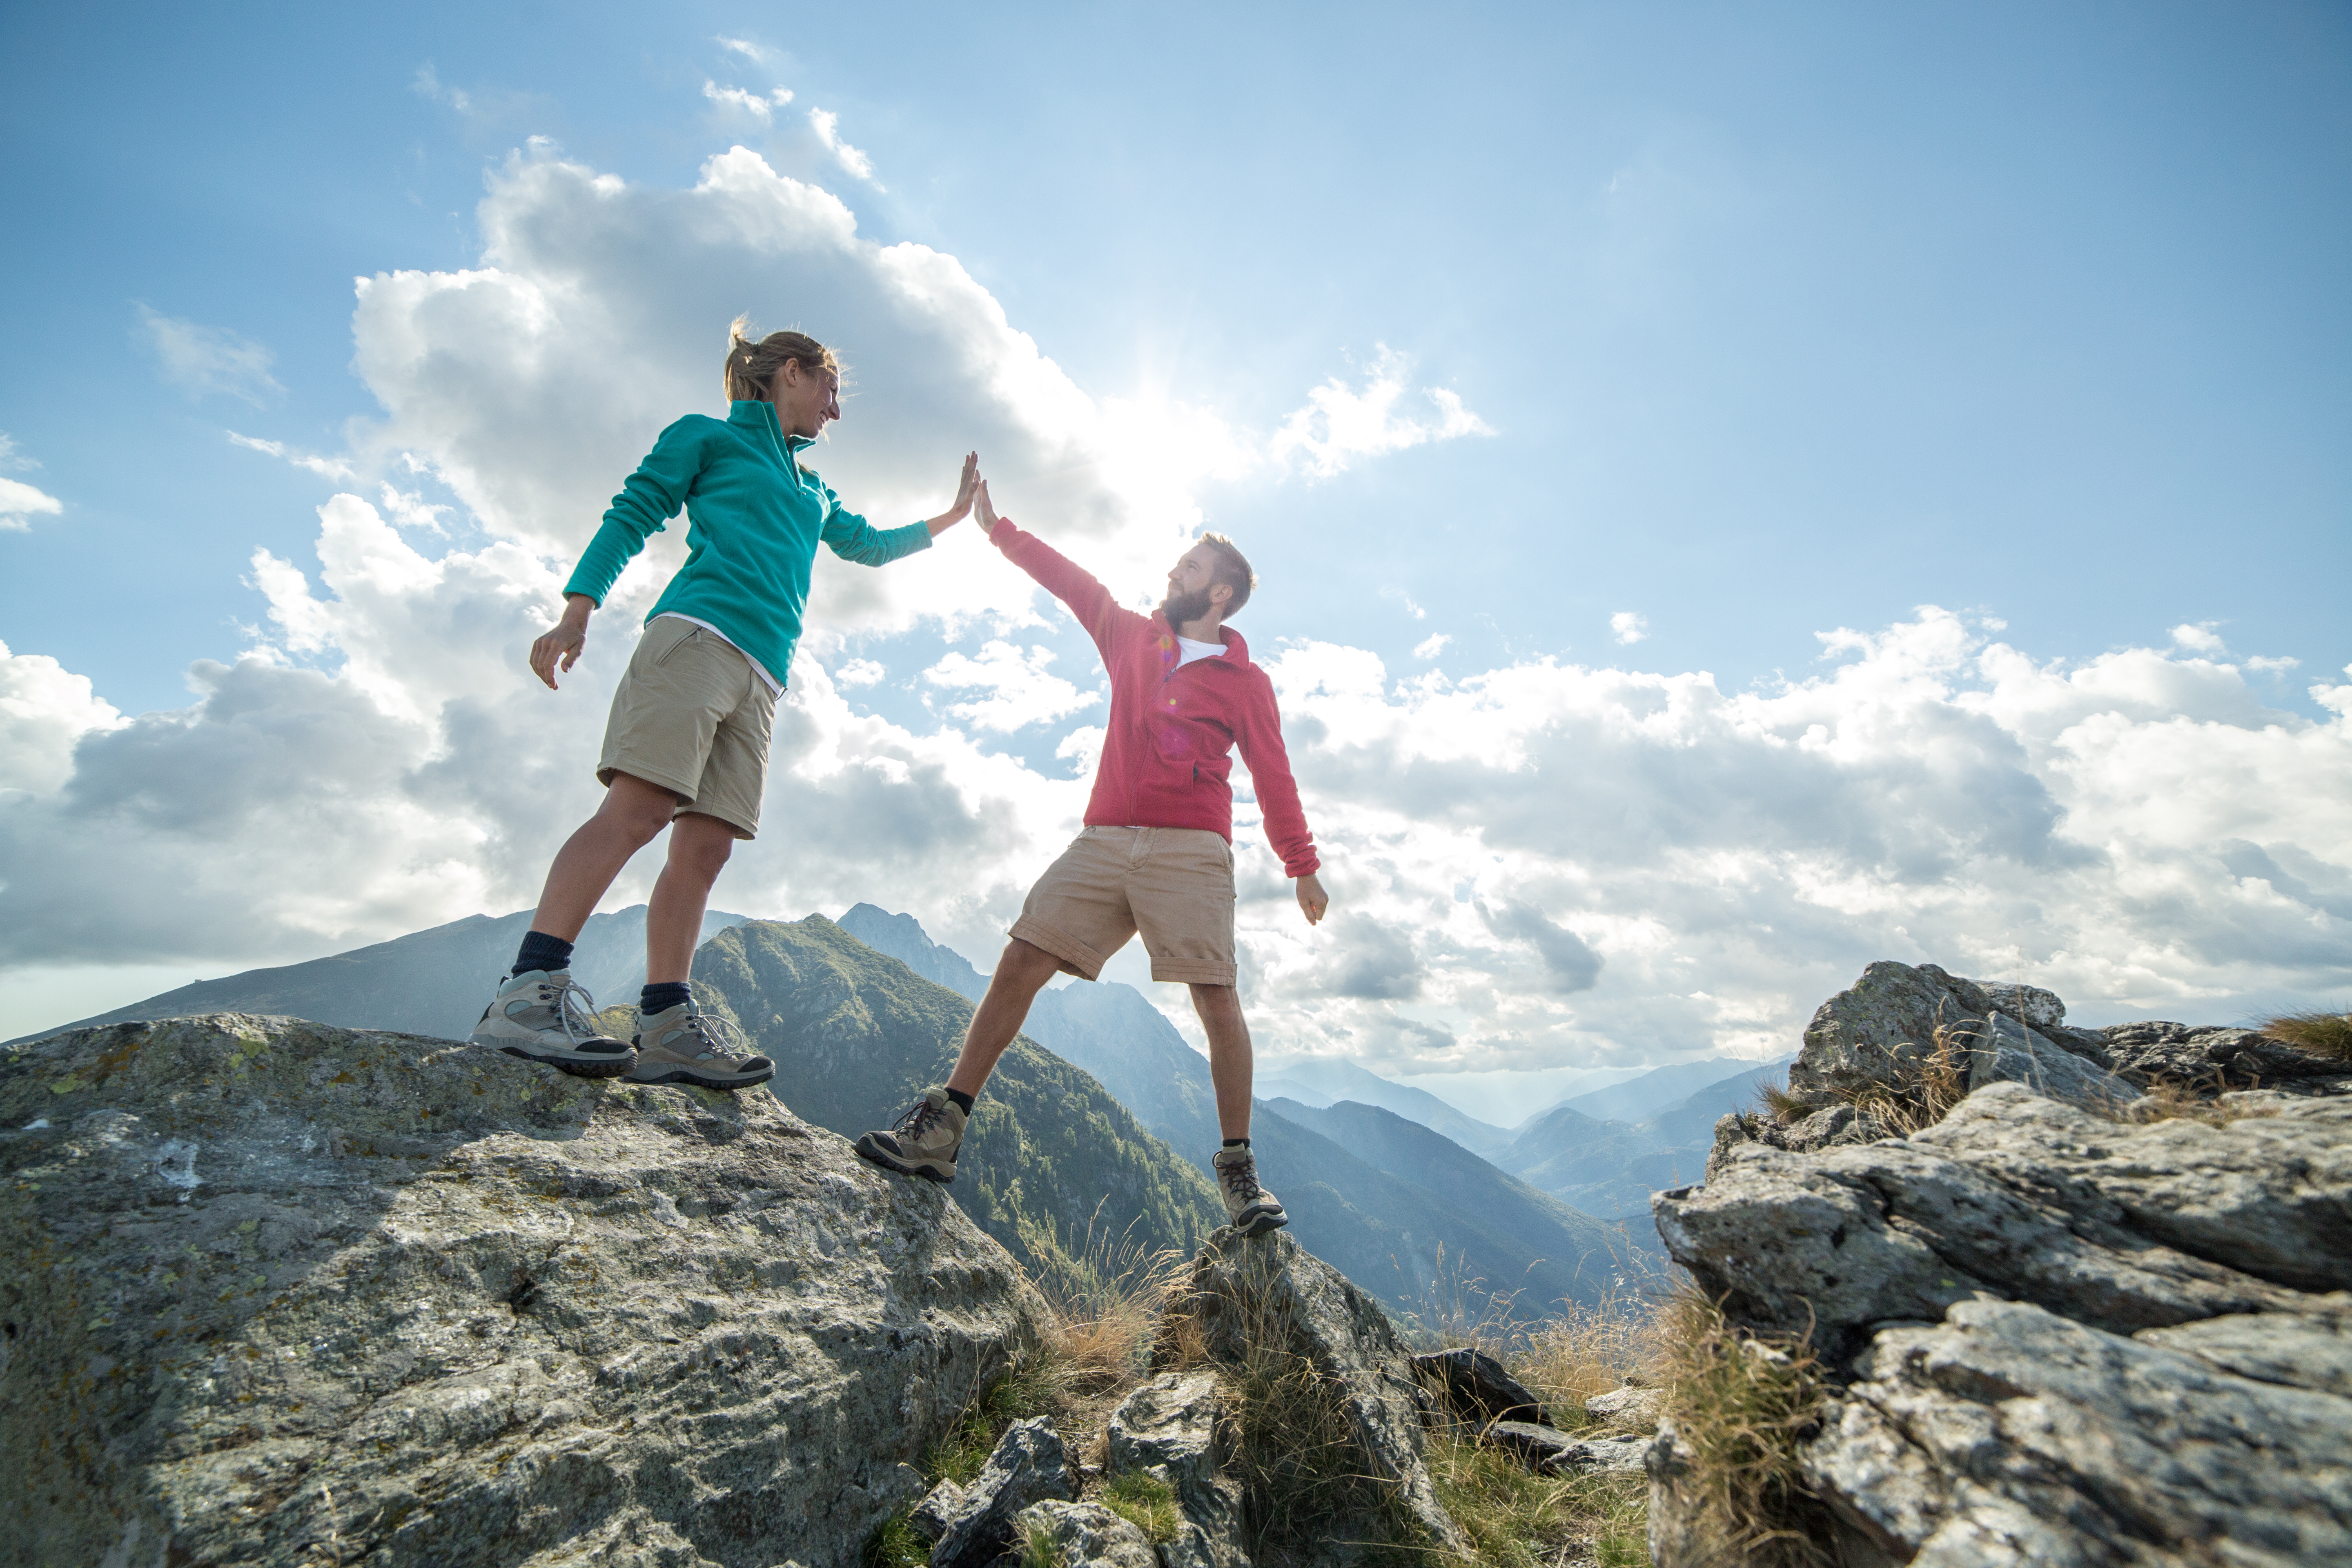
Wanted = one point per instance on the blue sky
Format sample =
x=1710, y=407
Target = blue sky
x=1774, y=322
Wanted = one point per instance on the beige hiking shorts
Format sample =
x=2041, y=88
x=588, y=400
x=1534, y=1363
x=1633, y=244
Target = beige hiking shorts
x=691, y=717
x=1175, y=885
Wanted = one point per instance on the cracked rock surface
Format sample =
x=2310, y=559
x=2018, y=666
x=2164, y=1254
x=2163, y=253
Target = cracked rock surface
x=2059, y=1333
x=286, y=1293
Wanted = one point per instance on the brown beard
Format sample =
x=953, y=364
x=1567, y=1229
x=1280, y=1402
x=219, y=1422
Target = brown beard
x=1182, y=607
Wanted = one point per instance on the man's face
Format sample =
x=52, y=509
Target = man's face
x=806, y=400
x=1191, y=582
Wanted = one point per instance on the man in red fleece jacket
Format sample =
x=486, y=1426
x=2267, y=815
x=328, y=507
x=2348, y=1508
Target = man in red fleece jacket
x=1155, y=855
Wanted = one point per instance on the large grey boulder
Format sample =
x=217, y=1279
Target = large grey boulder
x=1265, y=1308
x=1028, y=1465
x=283, y=1293
x=2008, y=1434
x=1882, y=1027
x=2070, y=1336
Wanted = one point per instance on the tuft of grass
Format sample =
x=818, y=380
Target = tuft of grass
x=1585, y=1351
x=2166, y=1100
x=1516, y=1519
x=1145, y=1501
x=2321, y=1034
x=1919, y=1093
x=1782, y=1105
x=1106, y=1308
x=1295, y=1453
x=1036, y=1385
x=1037, y=1550
x=896, y=1545
x=1741, y=1406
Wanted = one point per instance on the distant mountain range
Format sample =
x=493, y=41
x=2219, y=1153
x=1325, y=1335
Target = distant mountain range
x=1411, y=1227
x=1609, y=1169
x=434, y=982
x=1102, y=1116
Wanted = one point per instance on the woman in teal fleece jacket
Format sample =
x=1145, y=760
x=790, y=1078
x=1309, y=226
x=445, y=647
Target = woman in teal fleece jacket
x=687, y=741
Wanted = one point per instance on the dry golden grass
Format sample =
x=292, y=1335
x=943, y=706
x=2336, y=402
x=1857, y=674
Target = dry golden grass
x=2321, y=1034
x=1516, y=1519
x=1104, y=1313
x=1777, y=1102
x=2167, y=1100
x=1741, y=1406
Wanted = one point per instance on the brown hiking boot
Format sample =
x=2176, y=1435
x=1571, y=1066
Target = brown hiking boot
x=922, y=1142
x=683, y=1045
x=541, y=1016
x=1251, y=1209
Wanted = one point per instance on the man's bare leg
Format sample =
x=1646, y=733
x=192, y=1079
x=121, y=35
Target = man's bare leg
x=1020, y=974
x=1230, y=1068
x=699, y=846
x=633, y=813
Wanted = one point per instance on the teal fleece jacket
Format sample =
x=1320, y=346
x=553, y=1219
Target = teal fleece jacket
x=754, y=517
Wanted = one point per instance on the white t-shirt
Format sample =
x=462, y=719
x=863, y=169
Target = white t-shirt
x=1187, y=650
x=775, y=688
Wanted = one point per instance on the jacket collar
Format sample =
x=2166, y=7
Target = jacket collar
x=755, y=414
x=1237, y=648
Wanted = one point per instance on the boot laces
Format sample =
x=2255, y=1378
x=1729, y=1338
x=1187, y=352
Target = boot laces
x=1240, y=1177
x=575, y=1008
x=719, y=1038
x=919, y=1119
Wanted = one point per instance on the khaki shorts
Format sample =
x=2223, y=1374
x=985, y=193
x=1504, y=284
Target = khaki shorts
x=1173, y=884
x=692, y=718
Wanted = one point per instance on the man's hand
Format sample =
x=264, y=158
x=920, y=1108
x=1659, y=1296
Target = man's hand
x=965, y=486
x=561, y=647
x=1312, y=899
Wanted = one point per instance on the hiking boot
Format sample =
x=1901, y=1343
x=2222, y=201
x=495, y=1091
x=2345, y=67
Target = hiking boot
x=541, y=1016
x=684, y=1045
x=924, y=1142
x=1250, y=1208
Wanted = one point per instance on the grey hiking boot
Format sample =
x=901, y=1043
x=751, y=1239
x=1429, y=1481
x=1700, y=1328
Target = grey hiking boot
x=1251, y=1209
x=541, y=1016
x=924, y=1142
x=685, y=1044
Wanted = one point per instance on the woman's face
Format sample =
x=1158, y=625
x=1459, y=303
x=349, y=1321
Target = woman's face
x=806, y=400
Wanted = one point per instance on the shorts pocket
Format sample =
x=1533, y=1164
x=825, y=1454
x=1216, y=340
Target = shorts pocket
x=663, y=658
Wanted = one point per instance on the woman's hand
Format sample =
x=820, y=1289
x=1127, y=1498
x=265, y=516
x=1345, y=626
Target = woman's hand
x=1312, y=899
x=965, y=487
x=565, y=643
x=988, y=517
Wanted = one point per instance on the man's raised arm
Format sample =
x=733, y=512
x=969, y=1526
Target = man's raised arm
x=1060, y=576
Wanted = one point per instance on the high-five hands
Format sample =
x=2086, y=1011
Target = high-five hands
x=965, y=487
x=988, y=517
x=1312, y=899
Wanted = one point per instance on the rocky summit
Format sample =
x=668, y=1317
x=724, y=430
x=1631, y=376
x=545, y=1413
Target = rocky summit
x=280, y=1292
x=2093, y=1307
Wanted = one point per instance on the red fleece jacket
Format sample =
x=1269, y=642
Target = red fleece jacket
x=1167, y=758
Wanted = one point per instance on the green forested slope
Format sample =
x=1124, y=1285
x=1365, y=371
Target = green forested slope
x=1051, y=1157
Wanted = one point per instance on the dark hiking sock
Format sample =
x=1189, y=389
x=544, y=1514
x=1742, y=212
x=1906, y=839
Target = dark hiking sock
x=661, y=998
x=1236, y=1142
x=540, y=950
x=961, y=1101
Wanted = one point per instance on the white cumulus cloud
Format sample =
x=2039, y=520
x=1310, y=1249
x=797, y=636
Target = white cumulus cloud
x=2199, y=637
x=1629, y=626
